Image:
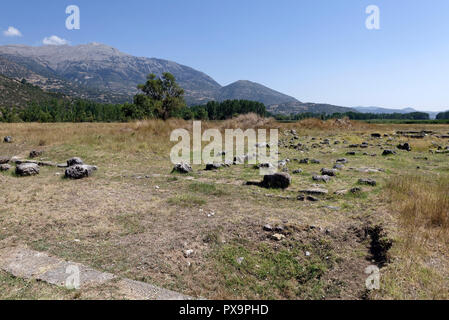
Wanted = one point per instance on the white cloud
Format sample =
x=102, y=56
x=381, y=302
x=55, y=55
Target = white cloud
x=12, y=32
x=54, y=41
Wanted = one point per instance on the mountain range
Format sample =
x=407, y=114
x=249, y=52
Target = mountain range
x=102, y=73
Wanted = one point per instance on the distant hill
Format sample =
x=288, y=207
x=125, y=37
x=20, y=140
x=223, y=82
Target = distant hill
x=377, y=110
x=299, y=107
x=383, y=110
x=102, y=73
x=16, y=94
x=247, y=90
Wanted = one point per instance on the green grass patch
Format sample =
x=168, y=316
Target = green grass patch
x=259, y=271
x=186, y=200
x=206, y=188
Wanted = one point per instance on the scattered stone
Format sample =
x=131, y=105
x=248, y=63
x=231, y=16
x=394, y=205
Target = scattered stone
x=267, y=227
x=405, y=146
x=307, y=254
x=279, y=229
x=342, y=160
x=315, y=191
x=388, y=152
x=79, y=171
x=338, y=166
x=315, y=161
x=370, y=182
x=279, y=180
x=351, y=153
x=35, y=154
x=264, y=165
x=304, y=161
x=355, y=190
x=321, y=178
x=4, y=160
x=74, y=161
x=182, y=168
x=329, y=172
x=5, y=167
x=213, y=166
x=27, y=169
x=278, y=237
x=297, y=171
x=376, y=135
x=239, y=260
x=188, y=253
x=7, y=139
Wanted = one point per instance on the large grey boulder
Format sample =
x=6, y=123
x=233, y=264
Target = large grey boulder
x=74, y=161
x=279, y=180
x=27, y=169
x=79, y=171
x=182, y=168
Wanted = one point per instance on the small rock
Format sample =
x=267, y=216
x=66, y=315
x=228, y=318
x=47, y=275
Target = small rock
x=5, y=167
x=213, y=166
x=4, y=160
x=35, y=154
x=388, y=152
x=278, y=237
x=297, y=171
x=315, y=191
x=27, y=169
x=355, y=190
x=370, y=182
x=239, y=260
x=307, y=254
x=74, y=161
x=342, y=160
x=405, y=146
x=7, y=139
x=325, y=179
x=188, y=253
x=329, y=172
x=279, y=180
x=79, y=171
x=182, y=168
x=267, y=227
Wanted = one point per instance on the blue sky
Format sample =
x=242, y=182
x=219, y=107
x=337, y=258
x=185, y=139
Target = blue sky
x=314, y=50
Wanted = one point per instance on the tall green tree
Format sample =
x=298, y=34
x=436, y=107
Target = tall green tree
x=163, y=94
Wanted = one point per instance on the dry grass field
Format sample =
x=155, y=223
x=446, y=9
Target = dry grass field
x=135, y=219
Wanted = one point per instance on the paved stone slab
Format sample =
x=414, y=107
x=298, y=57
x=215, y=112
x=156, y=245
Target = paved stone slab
x=87, y=276
x=25, y=263
x=30, y=264
x=136, y=290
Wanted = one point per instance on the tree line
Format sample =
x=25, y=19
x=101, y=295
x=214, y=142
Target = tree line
x=162, y=97
x=354, y=116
